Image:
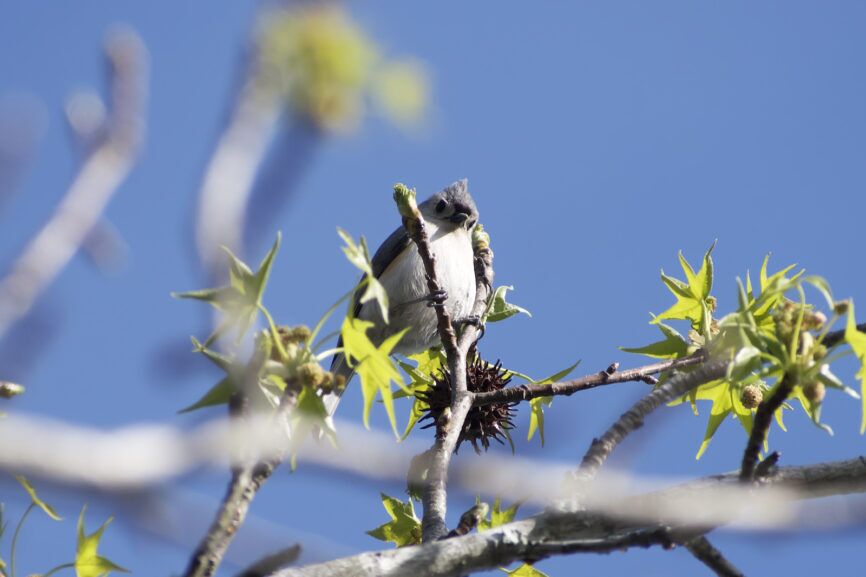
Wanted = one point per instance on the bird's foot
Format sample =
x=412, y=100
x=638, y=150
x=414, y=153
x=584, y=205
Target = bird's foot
x=437, y=298
x=473, y=320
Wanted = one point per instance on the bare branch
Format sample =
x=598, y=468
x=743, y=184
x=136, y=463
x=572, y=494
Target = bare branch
x=247, y=478
x=525, y=393
x=99, y=177
x=271, y=563
x=632, y=419
x=760, y=426
x=706, y=553
x=434, y=497
x=556, y=532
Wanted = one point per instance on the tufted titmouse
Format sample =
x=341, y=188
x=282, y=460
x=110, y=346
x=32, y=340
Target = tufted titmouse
x=450, y=215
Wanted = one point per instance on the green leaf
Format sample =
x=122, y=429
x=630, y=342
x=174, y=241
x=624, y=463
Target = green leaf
x=34, y=498
x=525, y=570
x=536, y=416
x=373, y=366
x=308, y=416
x=722, y=407
x=219, y=394
x=499, y=309
x=87, y=562
x=427, y=363
x=241, y=300
x=857, y=341
x=359, y=256
x=404, y=528
x=673, y=346
x=692, y=296
x=498, y=516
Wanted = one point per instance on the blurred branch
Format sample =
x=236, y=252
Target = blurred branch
x=556, y=532
x=98, y=179
x=138, y=458
x=231, y=172
x=23, y=120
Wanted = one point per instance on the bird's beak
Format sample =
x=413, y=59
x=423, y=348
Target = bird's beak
x=459, y=218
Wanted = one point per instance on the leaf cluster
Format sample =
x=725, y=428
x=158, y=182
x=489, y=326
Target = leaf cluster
x=774, y=332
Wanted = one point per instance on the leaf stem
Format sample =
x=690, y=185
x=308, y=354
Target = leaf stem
x=15, y=538
x=59, y=568
x=275, y=334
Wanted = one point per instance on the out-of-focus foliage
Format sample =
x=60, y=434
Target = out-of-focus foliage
x=328, y=69
x=35, y=500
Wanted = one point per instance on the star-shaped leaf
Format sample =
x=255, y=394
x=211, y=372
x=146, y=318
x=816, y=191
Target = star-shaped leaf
x=87, y=562
x=373, y=365
x=34, y=498
x=693, y=296
x=857, y=341
x=359, y=255
x=673, y=346
x=498, y=309
x=241, y=299
x=498, y=516
x=427, y=363
x=404, y=528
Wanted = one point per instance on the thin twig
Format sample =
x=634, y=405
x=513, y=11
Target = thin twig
x=632, y=419
x=527, y=392
x=247, y=478
x=99, y=177
x=760, y=426
x=434, y=495
x=706, y=553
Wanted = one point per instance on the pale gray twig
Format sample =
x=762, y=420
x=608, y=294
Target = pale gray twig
x=99, y=177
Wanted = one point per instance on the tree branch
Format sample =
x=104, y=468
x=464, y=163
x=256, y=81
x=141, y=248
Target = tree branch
x=556, y=532
x=706, y=553
x=97, y=180
x=632, y=419
x=760, y=426
x=434, y=496
x=247, y=478
x=527, y=392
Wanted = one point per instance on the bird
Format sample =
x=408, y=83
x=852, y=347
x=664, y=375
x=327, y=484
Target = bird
x=450, y=216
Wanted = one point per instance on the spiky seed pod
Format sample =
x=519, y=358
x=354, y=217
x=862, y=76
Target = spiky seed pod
x=751, y=396
x=815, y=392
x=482, y=423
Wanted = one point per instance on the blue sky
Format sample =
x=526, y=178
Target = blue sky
x=599, y=138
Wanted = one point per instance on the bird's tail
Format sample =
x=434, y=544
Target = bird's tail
x=340, y=367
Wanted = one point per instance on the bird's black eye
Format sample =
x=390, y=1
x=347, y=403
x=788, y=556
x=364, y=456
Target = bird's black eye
x=440, y=206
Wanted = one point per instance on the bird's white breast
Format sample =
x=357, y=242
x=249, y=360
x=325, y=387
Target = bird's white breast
x=405, y=281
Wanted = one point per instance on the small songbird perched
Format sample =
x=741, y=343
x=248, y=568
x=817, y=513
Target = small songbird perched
x=450, y=216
